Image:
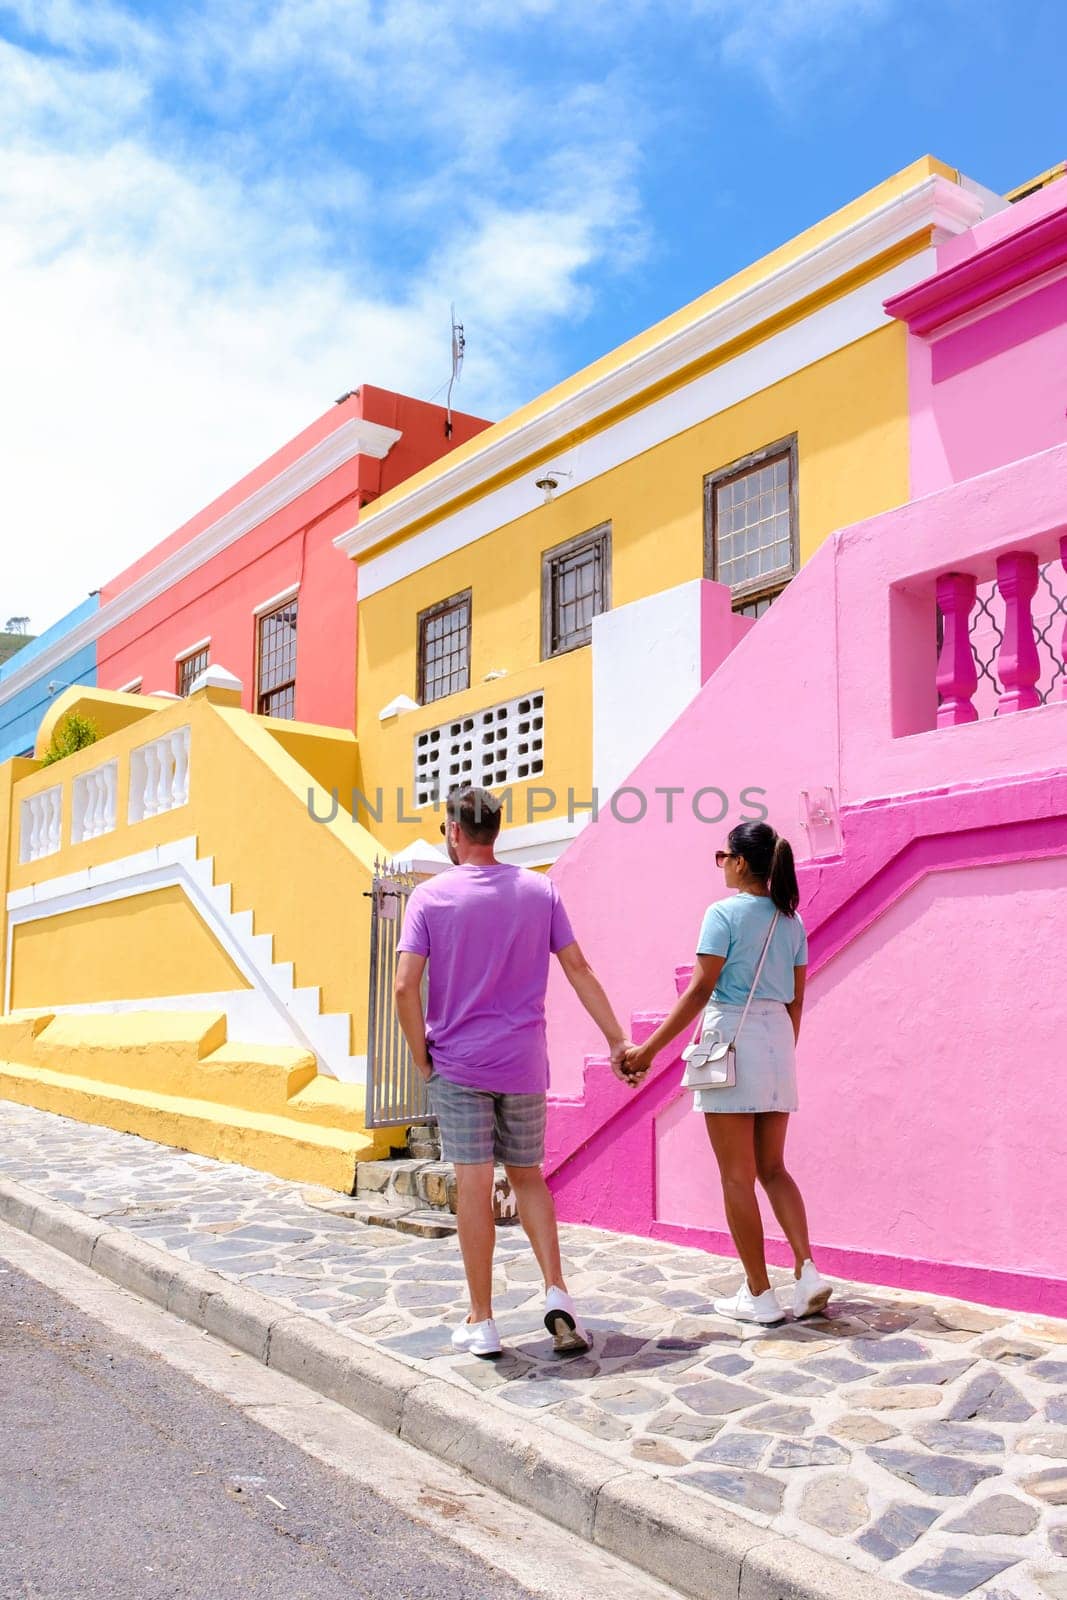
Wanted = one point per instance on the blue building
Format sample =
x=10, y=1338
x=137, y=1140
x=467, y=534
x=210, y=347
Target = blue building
x=30, y=679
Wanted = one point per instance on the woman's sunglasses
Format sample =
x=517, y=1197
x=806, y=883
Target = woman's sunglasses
x=722, y=857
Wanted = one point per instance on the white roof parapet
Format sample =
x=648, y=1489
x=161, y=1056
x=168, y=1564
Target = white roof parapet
x=421, y=859
x=216, y=676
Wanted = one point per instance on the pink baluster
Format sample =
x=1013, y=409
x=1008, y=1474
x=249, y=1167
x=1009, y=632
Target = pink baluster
x=1063, y=645
x=1018, y=664
x=957, y=675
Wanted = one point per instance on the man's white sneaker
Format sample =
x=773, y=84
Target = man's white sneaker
x=744, y=1306
x=811, y=1291
x=477, y=1339
x=561, y=1320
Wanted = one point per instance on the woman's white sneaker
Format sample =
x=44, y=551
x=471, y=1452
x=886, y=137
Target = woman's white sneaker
x=569, y=1338
x=477, y=1339
x=811, y=1292
x=744, y=1306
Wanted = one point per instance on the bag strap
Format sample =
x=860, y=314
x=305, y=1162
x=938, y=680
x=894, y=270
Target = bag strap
x=763, y=956
x=759, y=969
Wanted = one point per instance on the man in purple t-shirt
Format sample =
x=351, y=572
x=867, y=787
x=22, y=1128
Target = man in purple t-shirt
x=488, y=930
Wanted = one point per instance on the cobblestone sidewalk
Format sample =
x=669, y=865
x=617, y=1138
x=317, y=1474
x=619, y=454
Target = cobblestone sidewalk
x=917, y=1437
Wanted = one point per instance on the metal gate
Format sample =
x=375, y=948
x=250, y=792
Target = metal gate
x=396, y=1092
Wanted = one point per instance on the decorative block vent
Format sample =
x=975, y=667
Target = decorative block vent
x=500, y=745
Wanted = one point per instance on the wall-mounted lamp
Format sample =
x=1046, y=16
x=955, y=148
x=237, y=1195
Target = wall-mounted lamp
x=548, y=482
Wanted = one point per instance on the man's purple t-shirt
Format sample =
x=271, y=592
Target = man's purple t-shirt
x=488, y=933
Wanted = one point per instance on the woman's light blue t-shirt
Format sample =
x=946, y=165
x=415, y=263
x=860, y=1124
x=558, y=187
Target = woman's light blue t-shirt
x=736, y=928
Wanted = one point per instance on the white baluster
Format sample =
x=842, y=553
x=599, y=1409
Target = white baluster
x=179, y=743
x=166, y=776
x=92, y=806
x=30, y=828
x=151, y=780
x=55, y=800
x=110, y=776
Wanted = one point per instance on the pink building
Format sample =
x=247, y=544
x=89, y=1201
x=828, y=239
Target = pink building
x=256, y=571
x=904, y=707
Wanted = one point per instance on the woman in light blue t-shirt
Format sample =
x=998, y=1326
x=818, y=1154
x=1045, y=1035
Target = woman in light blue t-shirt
x=747, y=1122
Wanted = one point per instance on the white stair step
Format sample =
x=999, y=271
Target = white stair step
x=241, y=925
x=261, y=946
x=333, y=1032
x=203, y=871
x=304, y=1003
x=221, y=895
x=281, y=977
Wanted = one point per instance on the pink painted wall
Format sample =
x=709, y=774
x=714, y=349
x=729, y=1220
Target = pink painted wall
x=294, y=545
x=942, y=914
x=991, y=387
x=918, y=1140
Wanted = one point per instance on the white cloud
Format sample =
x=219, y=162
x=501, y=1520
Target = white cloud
x=217, y=222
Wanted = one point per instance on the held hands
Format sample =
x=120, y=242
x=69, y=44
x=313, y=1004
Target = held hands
x=630, y=1063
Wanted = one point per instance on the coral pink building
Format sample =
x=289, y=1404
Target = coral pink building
x=253, y=582
x=904, y=707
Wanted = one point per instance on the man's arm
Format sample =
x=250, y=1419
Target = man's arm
x=586, y=985
x=407, y=991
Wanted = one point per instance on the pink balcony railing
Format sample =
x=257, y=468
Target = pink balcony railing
x=1003, y=643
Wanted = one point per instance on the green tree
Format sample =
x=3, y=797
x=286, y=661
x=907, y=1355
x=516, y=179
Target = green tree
x=75, y=732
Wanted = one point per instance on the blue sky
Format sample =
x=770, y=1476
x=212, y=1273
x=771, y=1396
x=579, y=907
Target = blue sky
x=216, y=218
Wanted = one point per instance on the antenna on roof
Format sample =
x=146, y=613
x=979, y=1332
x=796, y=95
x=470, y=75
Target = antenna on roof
x=459, y=344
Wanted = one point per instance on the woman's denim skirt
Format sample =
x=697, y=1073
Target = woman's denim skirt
x=766, y=1058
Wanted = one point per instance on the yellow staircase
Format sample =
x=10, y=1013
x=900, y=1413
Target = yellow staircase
x=172, y=1076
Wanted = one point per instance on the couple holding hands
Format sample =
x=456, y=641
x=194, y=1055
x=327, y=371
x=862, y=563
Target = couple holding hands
x=488, y=930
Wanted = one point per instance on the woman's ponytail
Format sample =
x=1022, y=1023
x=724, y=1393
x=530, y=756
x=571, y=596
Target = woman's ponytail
x=785, y=891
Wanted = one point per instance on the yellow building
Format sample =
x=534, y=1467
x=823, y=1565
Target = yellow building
x=535, y=608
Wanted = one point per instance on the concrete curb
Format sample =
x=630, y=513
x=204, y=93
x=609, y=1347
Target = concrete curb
x=701, y=1549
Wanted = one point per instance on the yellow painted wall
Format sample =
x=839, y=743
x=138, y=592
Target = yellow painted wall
x=849, y=412
x=248, y=808
x=136, y=948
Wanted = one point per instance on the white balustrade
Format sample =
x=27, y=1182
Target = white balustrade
x=94, y=802
x=159, y=775
x=40, y=820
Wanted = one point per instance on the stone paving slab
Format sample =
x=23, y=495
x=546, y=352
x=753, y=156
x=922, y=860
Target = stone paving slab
x=918, y=1438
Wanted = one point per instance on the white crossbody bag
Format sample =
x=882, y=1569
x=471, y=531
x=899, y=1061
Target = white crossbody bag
x=712, y=1063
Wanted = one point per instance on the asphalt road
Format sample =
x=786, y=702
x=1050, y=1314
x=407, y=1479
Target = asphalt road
x=122, y=1479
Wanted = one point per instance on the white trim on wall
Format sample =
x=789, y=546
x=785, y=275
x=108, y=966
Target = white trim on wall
x=934, y=203
x=831, y=328
x=276, y=600
x=353, y=438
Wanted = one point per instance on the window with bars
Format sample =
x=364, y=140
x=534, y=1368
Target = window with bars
x=750, y=526
x=503, y=744
x=190, y=667
x=444, y=648
x=575, y=588
x=276, y=661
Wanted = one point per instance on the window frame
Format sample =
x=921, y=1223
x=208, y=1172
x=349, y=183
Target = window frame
x=600, y=535
x=262, y=614
x=462, y=599
x=201, y=648
x=767, y=585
